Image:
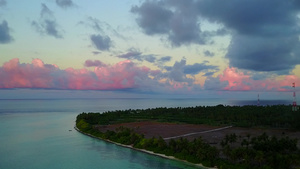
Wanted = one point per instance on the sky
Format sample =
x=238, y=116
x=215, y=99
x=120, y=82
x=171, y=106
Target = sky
x=190, y=48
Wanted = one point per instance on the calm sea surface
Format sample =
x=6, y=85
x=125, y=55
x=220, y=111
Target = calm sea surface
x=34, y=134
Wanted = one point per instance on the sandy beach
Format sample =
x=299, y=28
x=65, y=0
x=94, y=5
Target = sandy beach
x=144, y=151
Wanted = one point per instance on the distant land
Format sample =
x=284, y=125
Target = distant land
x=220, y=136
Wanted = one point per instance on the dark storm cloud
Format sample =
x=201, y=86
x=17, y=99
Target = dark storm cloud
x=150, y=58
x=198, y=67
x=153, y=17
x=209, y=53
x=251, y=17
x=192, y=69
x=102, y=43
x=5, y=36
x=179, y=25
x=95, y=63
x=213, y=83
x=50, y=28
x=47, y=23
x=2, y=3
x=65, y=3
x=162, y=61
x=180, y=70
x=208, y=74
x=264, y=32
x=134, y=54
x=264, y=54
x=262, y=75
x=176, y=72
x=103, y=29
x=165, y=59
x=296, y=3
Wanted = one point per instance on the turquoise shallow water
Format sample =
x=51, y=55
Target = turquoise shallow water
x=43, y=140
x=34, y=134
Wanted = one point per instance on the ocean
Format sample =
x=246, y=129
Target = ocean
x=35, y=133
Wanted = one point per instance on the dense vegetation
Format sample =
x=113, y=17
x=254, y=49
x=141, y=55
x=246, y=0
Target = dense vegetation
x=262, y=152
x=196, y=151
x=277, y=116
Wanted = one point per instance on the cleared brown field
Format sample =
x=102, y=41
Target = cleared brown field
x=165, y=130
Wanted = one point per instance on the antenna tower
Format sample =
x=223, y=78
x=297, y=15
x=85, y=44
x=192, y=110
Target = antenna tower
x=258, y=100
x=294, y=108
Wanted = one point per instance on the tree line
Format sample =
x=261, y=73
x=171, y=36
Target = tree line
x=235, y=152
x=196, y=151
x=277, y=116
x=261, y=152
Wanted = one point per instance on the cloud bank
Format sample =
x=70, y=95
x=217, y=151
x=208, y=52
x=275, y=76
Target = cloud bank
x=123, y=75
x=265, y=33
x=127, y=75
x=178, y=25
x=234, y=80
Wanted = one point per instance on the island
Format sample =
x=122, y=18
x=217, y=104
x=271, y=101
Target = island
x=227, y=137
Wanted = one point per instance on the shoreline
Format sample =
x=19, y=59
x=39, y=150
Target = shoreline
x=144, y=151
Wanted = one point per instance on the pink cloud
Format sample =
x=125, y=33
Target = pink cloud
x=127, y=75
x=286, y=83
x=90, y=63
x=122, y=75
x=238, y=81
x=16, y=75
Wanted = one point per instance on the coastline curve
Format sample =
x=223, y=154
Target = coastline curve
x=199, y=165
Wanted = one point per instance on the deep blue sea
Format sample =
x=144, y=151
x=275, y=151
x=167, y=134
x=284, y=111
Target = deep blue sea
x=34, y=134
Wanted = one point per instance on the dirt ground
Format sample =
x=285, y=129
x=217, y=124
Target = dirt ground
x=165, y=130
